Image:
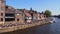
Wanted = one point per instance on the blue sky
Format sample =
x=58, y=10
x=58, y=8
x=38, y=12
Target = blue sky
x=39, y=5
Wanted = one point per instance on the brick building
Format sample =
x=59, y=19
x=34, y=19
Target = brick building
x=10, y=15
x=2, y=11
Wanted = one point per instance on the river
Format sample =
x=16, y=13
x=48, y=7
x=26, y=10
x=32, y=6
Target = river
x=45, y=29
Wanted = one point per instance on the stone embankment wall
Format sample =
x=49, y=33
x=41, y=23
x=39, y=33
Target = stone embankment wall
x=13, y=28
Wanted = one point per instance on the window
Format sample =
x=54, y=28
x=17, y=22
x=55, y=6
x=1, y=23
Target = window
x=17, y=19
x=2, y=8
x=1, y=14
x=0, y=2
x=1, y=19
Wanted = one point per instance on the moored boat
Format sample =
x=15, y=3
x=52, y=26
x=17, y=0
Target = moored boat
x=52, y=20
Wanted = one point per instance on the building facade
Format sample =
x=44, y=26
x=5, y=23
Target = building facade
x=2, y=11
x=10, y=15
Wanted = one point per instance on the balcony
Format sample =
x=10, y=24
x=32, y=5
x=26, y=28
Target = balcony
x=9, y=17
x=28, y=18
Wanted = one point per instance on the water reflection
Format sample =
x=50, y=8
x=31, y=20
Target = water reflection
x=45, y=29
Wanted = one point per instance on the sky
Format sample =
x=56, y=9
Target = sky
x=38, y=5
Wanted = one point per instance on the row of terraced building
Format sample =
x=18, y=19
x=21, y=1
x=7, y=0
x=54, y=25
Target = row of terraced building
x=21, y=16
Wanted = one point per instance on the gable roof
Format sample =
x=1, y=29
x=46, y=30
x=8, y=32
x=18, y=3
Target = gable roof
x=26, y=12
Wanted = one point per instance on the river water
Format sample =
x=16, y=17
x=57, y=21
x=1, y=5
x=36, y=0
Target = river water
x=45, y=29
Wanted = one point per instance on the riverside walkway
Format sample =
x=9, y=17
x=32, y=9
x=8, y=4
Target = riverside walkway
x=14, y=27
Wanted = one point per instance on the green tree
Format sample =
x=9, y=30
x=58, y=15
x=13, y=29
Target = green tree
x=47, y=13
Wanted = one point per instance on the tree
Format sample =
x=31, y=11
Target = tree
x=47, y=13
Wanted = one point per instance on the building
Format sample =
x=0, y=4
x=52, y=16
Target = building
x=28, y=17
x=42, y=16
x=14, y=16
x=37, y=15
x=2, y=11
x=10, y=15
